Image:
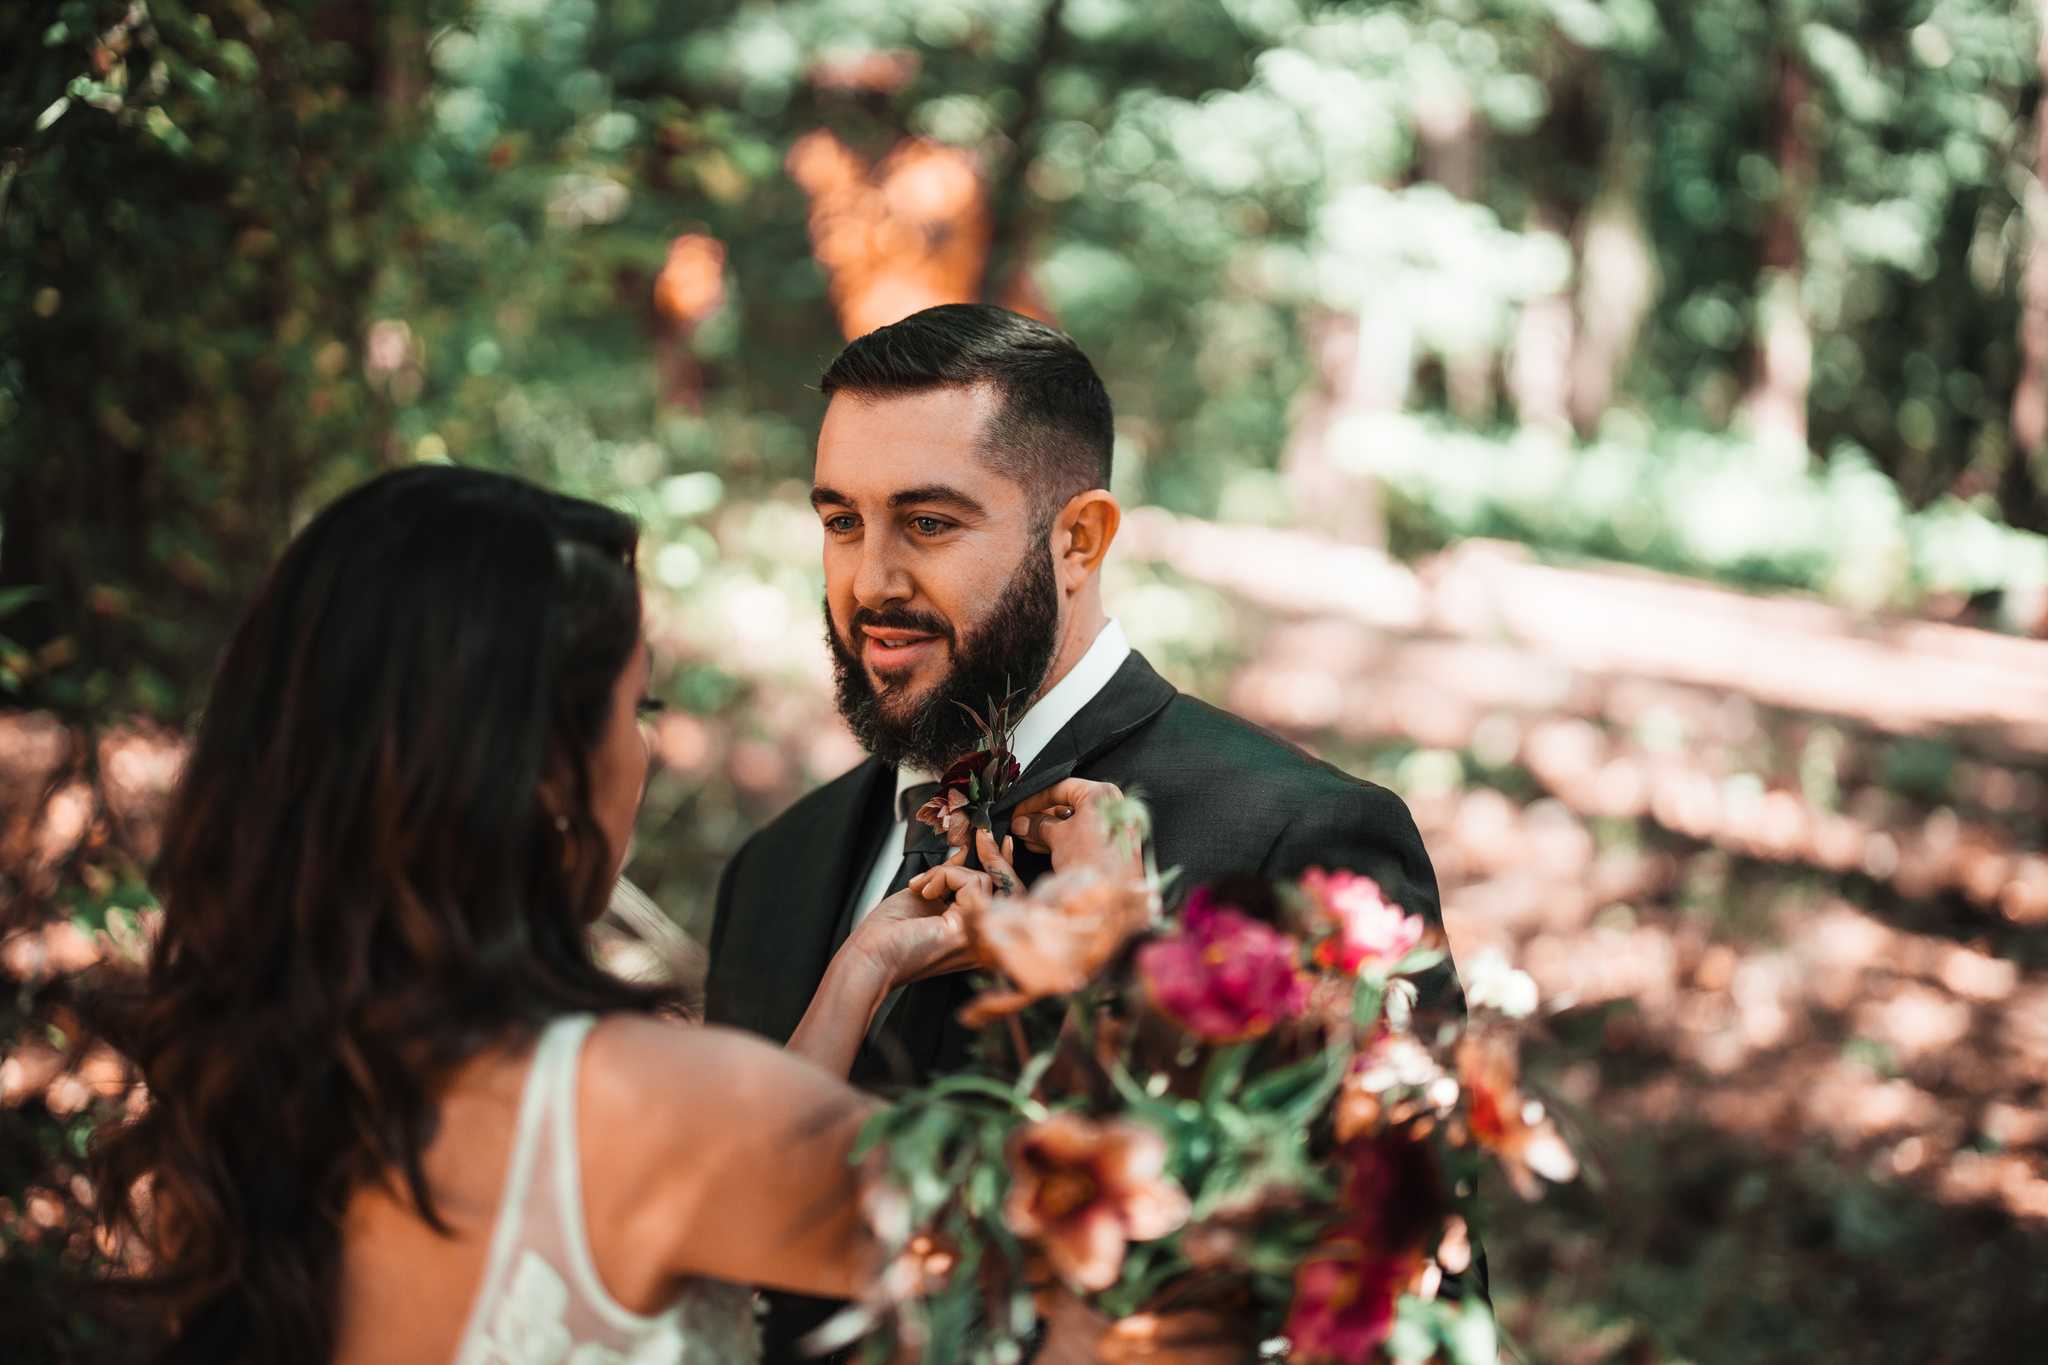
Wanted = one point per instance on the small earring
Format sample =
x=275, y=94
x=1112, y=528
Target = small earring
x=561, y=824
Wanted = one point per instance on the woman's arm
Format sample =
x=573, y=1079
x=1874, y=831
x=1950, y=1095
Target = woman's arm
x=917, y=933
x=709, y=1152
x=842, y=1011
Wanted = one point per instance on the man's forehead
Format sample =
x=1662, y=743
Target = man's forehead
x=954, y=416
x=881, y=447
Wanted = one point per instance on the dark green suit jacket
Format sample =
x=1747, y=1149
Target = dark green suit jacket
x=1226, y=797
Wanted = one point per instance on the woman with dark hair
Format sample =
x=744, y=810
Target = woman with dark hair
x=397, y=1111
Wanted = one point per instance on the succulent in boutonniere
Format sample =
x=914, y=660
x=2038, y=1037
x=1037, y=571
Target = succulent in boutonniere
x=970, y=788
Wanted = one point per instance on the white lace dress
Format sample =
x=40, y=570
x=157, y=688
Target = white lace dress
x=540, y=1302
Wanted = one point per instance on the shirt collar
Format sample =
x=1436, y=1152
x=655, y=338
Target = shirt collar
x=1050, y=714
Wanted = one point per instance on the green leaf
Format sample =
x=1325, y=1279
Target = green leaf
x=1421, y=960
x=1414, y=1336
x=1034, y=1072
x=15, y=598
x=1225, y=1071
x=1365, y=1002
x=983, y=1086
x=1275, y=1086
x=1336, y=1061
x=1474, y=1337
x=872, y=1134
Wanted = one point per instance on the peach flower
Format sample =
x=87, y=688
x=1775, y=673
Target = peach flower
x=1084, y=1190
x=1514, y=1129
x=1058, y=937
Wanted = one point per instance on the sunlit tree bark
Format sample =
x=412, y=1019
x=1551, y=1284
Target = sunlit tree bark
x=1776, y=401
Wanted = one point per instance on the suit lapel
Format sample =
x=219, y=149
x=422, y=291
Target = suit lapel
x=1132, y=696
x=841, y=838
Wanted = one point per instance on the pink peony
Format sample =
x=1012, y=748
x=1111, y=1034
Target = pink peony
x=1344, y=1298
x=1371, y=933
x=1224, y=977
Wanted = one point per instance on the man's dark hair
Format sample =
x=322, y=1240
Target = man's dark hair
x=1052, y=429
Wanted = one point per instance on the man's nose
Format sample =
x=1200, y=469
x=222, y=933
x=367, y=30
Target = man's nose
x=881, y=578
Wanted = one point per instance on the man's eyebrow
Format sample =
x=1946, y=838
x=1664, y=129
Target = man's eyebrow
x=829, y=497
x=939, y=493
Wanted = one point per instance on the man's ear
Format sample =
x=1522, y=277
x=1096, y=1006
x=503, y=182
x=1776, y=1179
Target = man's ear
x=1082, y=535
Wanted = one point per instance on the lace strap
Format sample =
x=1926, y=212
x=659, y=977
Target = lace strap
x=568, y=1176
x=536, y=1099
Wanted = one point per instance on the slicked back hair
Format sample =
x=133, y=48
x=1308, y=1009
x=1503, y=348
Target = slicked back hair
x=1052, y=429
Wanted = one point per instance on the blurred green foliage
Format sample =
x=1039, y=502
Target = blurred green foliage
x=256, y=251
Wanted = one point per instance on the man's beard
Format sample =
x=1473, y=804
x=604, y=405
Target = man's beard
x=1007, y=654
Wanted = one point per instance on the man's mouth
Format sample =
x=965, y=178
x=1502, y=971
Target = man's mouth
x=892, y=649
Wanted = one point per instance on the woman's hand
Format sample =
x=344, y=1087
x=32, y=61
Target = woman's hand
x=1069, y=820
x=921, y=931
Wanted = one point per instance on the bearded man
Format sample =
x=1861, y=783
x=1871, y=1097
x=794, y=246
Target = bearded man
x=962, y=484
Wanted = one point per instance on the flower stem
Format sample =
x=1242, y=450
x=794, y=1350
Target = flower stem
x=1226, y=1069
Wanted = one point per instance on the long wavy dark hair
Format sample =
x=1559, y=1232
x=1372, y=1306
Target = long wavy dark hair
x=362, y=888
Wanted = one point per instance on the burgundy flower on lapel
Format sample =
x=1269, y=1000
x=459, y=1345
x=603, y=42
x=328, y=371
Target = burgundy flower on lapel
x=972, y=784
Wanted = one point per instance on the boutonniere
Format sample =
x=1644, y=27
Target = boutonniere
x=973, y=784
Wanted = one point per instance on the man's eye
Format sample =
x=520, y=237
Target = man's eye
x=928, y=526
x=839, y=526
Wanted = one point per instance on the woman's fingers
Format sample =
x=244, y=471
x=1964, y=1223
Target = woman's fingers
x=1074, y=791
x=996, y=862
x=952, y=880
x=1047, y=821
x=1032, y=827
x=975, y=896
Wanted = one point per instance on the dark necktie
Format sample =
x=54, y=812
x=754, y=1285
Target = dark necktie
x=923, y=847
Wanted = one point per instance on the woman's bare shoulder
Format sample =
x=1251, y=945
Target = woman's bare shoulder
x=640, y=1067
x=692, y=1133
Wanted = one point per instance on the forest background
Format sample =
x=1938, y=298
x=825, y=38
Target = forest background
x=1618, y=425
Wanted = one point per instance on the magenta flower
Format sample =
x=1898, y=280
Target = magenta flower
x=1369, y=932
x=1224, y=977
x=1344, y=1298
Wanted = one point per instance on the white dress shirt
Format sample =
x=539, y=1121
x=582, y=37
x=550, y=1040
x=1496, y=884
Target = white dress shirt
x=1034, y=731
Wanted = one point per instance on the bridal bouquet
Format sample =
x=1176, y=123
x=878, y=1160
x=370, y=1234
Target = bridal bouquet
x=1234, y=1131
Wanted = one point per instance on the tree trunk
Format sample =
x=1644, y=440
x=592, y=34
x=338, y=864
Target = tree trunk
x=1776, y=401
x=1539, y=370
x=2019, y=485
x=1617, y=279
x=1453, y=154
x=1003, y=271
